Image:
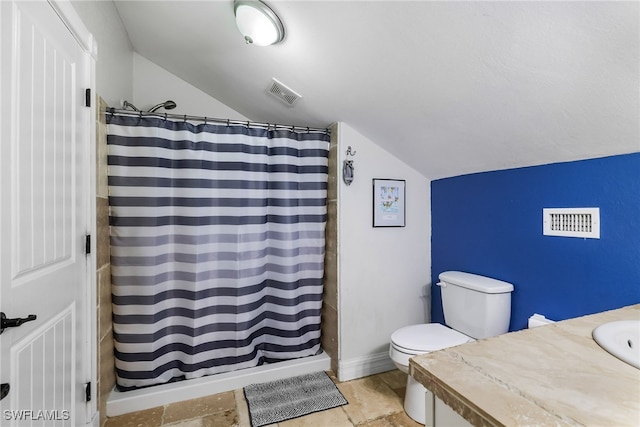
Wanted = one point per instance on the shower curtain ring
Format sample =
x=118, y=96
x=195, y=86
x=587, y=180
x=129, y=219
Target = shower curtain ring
x=165, y=116
x=227, y=122
x=308, y=129
x=185, y=118
x=205, y=120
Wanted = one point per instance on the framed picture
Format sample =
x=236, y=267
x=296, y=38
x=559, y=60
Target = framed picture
x=389, y=202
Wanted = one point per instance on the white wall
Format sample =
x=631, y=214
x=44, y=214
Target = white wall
x=114, y=67
x=153, y=84
x=122, y=74
x=383, y=273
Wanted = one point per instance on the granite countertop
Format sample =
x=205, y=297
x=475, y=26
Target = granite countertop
x=551, y=375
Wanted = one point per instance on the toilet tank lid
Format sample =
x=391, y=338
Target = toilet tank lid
x=475, y=282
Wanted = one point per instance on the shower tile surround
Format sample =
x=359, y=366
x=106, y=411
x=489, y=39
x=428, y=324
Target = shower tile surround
x=106, y=360
x=329, y=323
x=374, y=401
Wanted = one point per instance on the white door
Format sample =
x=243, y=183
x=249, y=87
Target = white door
x=43, y=217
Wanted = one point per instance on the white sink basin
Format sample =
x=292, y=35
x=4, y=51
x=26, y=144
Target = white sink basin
x=621, y=339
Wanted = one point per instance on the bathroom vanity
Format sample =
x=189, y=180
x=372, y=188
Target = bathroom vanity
x=550, y=375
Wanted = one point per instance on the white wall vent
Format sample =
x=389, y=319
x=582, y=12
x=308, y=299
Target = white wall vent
x=571, y=222
x=283, y=93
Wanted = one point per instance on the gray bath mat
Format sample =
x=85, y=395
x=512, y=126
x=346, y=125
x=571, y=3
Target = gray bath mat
x=289, y=398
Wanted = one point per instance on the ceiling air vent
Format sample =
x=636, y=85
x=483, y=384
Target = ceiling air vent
x=283, y=93
x=572, y=222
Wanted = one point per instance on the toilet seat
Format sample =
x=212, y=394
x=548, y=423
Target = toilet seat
x=424, y=338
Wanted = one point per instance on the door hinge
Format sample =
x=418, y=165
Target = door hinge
x=87, y=244
x=87, y=98
x=87, y=392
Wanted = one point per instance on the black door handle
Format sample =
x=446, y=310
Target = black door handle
x=12, y=323
x=4, y=390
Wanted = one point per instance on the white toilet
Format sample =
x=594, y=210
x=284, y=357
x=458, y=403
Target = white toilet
x=474, y=307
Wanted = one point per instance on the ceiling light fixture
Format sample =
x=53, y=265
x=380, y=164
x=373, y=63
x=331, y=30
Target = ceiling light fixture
x=258, y=23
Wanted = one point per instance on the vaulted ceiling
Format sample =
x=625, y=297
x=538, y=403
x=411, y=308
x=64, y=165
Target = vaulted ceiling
x=449, y=87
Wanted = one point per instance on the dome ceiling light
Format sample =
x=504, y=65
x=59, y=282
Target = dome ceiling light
x=258, y=23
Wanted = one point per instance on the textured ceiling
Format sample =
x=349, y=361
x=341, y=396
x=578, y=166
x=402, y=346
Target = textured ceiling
x=448, y=87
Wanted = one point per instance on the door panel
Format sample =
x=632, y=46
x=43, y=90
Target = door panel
x=42, y=367
x=44, y=190
x=43, y=217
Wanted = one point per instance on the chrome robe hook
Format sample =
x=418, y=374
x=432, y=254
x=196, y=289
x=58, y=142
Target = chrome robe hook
x=347, y=167
x=347, y=171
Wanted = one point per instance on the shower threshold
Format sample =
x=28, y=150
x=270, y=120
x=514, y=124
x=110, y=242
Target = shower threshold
x=120, y=403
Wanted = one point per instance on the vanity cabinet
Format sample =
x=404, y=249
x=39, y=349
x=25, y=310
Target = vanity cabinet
x=444, y=416
x=438, y=414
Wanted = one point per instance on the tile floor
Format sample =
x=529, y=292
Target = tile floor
x=374, y=401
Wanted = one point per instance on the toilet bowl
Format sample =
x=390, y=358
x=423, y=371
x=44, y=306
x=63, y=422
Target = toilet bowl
x=414, y=340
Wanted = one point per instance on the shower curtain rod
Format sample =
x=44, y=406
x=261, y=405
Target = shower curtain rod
x=228, y=122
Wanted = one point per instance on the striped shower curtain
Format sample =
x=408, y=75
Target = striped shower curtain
x=217, y=246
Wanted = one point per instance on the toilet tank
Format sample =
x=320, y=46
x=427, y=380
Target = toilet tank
x=477, y=306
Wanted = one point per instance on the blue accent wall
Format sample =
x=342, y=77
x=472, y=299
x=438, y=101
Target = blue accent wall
x=491, y=224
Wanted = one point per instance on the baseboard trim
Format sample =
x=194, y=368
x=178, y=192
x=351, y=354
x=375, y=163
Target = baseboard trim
x=364, y=366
